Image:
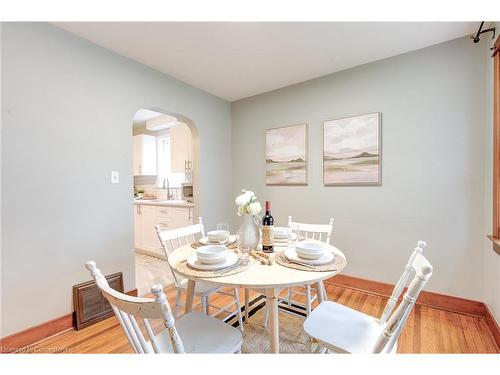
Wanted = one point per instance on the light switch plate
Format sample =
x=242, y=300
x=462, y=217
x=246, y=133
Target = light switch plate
x=115, y=177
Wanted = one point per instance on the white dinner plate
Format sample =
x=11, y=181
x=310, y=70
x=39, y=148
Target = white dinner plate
x=205, y=241
x=231, y=259
x=293, y=237
x=290, y=254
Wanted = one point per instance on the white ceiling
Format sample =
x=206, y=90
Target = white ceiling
x=234, y=60
x=142, y=115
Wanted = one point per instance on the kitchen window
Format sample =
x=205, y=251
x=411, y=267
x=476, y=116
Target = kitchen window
x=163, y=147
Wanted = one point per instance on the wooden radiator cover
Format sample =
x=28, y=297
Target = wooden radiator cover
x=89, y=303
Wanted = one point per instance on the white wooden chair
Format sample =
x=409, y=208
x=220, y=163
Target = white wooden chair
x=343, y=330
x=175, y=238
x=192, y=333
x=320, y=232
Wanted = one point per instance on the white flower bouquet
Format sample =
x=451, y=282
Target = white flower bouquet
x=247, y=203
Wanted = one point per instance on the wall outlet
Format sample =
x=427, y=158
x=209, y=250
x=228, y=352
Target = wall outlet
x=115, y=177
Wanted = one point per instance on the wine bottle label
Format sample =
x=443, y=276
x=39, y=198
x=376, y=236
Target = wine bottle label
x=267, y=235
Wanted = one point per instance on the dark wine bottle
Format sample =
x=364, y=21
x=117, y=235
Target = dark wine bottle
x=267, y=230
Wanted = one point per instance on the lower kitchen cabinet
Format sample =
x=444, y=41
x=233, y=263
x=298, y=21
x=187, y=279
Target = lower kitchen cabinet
x=146, y=217
x=145, y=232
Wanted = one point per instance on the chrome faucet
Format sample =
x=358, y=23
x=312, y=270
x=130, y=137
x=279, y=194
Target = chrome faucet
x=169, y=196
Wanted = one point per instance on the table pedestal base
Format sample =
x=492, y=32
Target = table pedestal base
x=274, y=332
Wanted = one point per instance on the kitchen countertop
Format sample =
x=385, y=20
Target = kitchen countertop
x=170, y=203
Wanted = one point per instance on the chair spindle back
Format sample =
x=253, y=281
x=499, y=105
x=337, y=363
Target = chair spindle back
x=173, y=239
x=396, y=321
x=320, y=232
x=403, y=280
x=128, y=308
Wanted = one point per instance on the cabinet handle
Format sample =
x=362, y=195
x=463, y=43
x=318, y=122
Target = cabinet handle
x=185, y=166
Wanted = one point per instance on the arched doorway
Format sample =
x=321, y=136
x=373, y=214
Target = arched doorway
x=166, y=186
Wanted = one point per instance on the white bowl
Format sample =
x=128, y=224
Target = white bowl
x=215, y=235
x=310, y=249
x=280, y=232
x=211, y=254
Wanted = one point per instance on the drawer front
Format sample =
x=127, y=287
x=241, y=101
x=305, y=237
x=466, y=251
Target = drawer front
x=165, y=224
x=164, y=211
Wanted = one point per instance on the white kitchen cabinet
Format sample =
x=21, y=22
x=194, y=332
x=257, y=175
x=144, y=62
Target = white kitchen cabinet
x=174, y=217
x=146, y=237
x=146, y=217
x=137, y=227
x=145, y=155
x=149, y=221
x=181, y=149
x=164, y=217
x=181, y=217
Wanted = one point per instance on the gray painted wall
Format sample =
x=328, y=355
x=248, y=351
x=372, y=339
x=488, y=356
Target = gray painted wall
x=433, y=172
x=491, y=271
x=67, y=108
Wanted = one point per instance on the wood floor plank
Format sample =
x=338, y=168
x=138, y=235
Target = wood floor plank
x=428, y=335
x=428, y=330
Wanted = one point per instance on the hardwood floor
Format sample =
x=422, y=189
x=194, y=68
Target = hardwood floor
x=428, y=330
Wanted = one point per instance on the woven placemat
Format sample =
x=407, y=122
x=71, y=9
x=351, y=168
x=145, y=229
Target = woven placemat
x=186, y=269
x=337, y=264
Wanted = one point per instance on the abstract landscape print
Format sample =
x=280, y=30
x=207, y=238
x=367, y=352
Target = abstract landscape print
x=286, y=155
x=351, y=150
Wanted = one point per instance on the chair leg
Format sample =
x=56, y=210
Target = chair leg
x=207, y=304
x=266, y=314
x=247, y=304
x=178, y=304
x=325, y=295
x=238, y=308
x=308, y=299
x=203, y=304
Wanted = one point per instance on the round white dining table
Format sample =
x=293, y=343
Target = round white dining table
x=268, y=280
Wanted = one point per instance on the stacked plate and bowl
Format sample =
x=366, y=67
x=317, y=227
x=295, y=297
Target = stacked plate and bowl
x=212, y=258
x=218, y=237
x=311, y=252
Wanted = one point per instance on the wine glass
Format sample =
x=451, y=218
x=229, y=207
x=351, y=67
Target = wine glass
x=289, y=236
x=223, y=229
x=243, y=247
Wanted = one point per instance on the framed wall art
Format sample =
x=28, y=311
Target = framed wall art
x=352, y=150
x=286, y=155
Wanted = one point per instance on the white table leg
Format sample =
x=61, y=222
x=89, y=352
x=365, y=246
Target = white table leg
x=190, y=295
x=247, y=304
x=274, y=333
x=319, y=292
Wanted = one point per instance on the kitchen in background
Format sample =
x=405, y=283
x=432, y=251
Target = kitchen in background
x=163, y=190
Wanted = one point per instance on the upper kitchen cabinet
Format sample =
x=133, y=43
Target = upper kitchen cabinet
x=181, y=149
x=145, y=155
